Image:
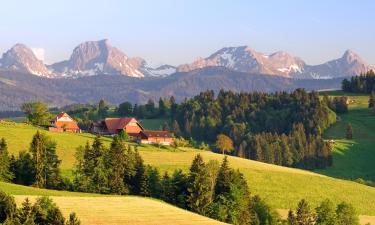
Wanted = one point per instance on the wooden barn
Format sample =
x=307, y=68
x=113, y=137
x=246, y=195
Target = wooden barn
x=155, y=137
x=111, y=126
x=63, y=122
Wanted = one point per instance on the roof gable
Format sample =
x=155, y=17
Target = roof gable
x=119, y=123
x=63, y=116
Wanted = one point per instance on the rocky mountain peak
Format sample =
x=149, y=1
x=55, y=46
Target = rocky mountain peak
x=22, y=58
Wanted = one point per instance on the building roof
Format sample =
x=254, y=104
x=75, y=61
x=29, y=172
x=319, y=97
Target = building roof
x=114, y=124
x=67, y=124
x=156, y=133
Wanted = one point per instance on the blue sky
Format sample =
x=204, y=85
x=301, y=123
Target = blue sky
x=176, y=31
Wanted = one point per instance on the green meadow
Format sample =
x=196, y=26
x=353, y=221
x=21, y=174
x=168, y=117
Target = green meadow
x=280, y=186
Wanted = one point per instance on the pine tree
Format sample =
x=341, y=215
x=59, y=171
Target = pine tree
x=8, y=208
x=179, y=185
x=346, y=214
x=304, y=215
x=45, y=160
x=349, y=131
x=139, y=181
x=26, y=214
x=326, y=213
x=116, y=160
x=176, y=128
x=5, y=163
x=167, y=192
x=73, y=220
x=199, y=189
x=155, y=187
x=292, y=220
x=223, y=179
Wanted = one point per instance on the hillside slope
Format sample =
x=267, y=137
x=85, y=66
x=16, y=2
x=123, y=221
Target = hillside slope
x=354, y=158
x=280, y=186
x=99, y=209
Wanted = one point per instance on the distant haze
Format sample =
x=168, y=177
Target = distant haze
x=177, y=32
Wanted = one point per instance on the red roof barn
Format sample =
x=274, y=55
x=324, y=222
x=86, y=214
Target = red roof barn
x=155, y=137
x=63, y=122
x=115, y=125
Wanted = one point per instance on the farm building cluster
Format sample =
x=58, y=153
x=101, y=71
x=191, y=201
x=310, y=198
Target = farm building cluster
x=112, y=126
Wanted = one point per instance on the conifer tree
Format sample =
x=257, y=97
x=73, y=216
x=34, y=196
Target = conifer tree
x=292, y=220
x=199, y=189
x=223, y=179
x=346, y=214
x=154, y=182
x=73, y=220
x=5, y=172
x=45, y=161
x=26, y=214
x=8, y=208
x=304, y=215
x=166, y=188
x=326, y=213
x=139, y=181
x=116, y=160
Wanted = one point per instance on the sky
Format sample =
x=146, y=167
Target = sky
x=179, y=31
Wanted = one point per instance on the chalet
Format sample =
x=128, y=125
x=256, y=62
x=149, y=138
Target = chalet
x=111, y=126
x=63, y=122
x=155, y=137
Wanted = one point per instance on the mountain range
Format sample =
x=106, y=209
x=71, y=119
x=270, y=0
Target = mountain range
x=101, y=58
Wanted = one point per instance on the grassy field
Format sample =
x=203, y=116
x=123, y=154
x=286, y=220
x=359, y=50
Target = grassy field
x=281, y=187
x=354, y=158
x=99, y=209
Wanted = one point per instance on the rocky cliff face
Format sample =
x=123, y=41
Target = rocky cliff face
x=244, y=59
x=98, y=57
x=21, y=58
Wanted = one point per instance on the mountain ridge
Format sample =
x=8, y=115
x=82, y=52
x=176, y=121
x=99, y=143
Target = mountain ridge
x=92, y=58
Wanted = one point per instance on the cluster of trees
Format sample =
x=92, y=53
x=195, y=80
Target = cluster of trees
x=208, y=189
x=148, y=110
x=325, y=214
x=37, y=113
x=364, y=83
x=339, y=104
x=43, y=211
x=118, y=169
x=248, y=117
x=293, y=150
x=38, y=167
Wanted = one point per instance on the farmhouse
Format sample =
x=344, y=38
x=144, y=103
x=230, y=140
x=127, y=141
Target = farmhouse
x=63, y=122
x=110, y=126
x=155, y=137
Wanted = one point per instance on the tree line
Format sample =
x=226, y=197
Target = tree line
x=260, y=124
x=325, y=214
x=364, y=83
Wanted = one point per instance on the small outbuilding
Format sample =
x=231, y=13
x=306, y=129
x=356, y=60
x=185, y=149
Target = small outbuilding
x=155, y=137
